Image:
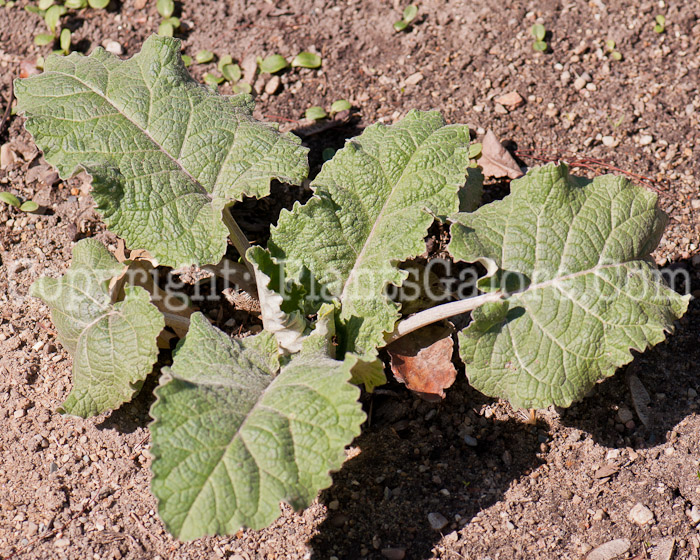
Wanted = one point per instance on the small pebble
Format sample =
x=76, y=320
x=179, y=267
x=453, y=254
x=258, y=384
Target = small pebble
x=19, y=413
x=437, y=521
x=669, y=451
x=565, y=77
x=694, y=514
x=61, y=543
x=394, y=553
x=334, y=504
x=272, y=85
x=413, y=79
x=579, y=83
x=625, y=415
x=646, y=140
x=609, y=141
x=692, y=393
x=114, y=47
x=640, y=514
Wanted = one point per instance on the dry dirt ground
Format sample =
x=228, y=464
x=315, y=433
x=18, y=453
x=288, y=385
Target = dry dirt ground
x=78, y=489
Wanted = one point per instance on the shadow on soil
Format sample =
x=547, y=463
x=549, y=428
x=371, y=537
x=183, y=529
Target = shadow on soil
x=409, y=468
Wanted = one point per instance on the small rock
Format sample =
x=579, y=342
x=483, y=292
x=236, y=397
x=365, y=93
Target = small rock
x=437, y=521
x=692, y=393
x=114, y=47
x=413, y=79
x=500, y=109
x=598, y=515
x=394, y=553
x=272, y=85
x=609, y=550
x=646, y=140
x=249, y=66
x=609, y=141
x=510, y=101
x=591, y=86
x=470, y=441
x=664, y=550
x=695, y=203
x=640, y=514
x=7, y=156
x=579, y=83
x=605, y=471
x=62, y=543
x=19, y=413
x=565, y=77
x=625, y=415
x=31, y=529
x=694, y=514
x=669, y=451
x=140, y=4
x=334, y=504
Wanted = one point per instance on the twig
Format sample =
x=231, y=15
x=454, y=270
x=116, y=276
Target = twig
x=8, y=109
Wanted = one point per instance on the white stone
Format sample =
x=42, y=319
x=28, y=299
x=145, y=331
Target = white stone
x=413, y=79
x=646, y=140
x=114, y=47
x=437, y=521
x=640, y=514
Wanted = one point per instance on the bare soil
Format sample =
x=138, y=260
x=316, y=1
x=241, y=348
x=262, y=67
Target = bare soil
x=72, y=488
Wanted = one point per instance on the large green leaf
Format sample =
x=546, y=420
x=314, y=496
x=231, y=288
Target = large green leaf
x=589, y=293
x=232, y=437
x=113, y=344
x=166, y=154
x=373, y=205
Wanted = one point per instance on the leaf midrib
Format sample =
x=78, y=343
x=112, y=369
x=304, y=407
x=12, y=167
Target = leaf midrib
x=143, y=130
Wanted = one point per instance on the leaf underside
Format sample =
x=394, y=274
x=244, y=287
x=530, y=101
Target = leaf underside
x=232, y=437
x=113, y=345
x=166, y=154
x=369, y=213
x=591, y=294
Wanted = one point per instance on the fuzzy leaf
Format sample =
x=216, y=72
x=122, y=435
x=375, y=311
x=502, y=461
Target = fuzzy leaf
x=369, y=213
x=113, y=345
x=166, y=154
x=232, y=437
x=588, y=292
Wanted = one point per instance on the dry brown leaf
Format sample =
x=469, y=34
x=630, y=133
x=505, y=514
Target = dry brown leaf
x=495, y=160
x=423, y=361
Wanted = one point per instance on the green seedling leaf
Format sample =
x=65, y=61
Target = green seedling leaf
x=212, y=79
x=223, y=61
x=410, y=12
x=340, y=105
x=278, y=431
x=64, y=40
x=31, y=9
x=273, y=64
x=9, y=198
x=113, y=344
x=610, y=45
x=53, y=15
x=660, y=26
x=306, y=60
x=538, y=32
x=369, y=213
x=316, y=113
x=76, y=4
x=232, y=72
x=98, y=4
x=166, y=29
x=29, y=206
x=165, y=8
x=242, y=87
x=474, y=150
x=44, y=39
x=539, y=46
x=578, y=249
x=186, y=60
x=400, y=25
x=204, y=56
x=168, y=155
x=616, y=55
x=45, y=4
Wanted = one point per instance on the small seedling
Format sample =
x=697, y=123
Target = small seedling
x=64, y=40
x=167, y=27
x=44, y=39
x=165, y=8
x=204, y=56
x=340, y=105
x=76, y=4
x=316, y=113
x=242, y=87
x=44, y=4
x=539, y=32
x=272, y=64
x=53, y=15
x=660, y=26
x=212, y=79
x=186, y=60
x=98, y=4
x=306, y=60
x=12, y=200
x=409, y=14
x=610, y=47
x=230, y=71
